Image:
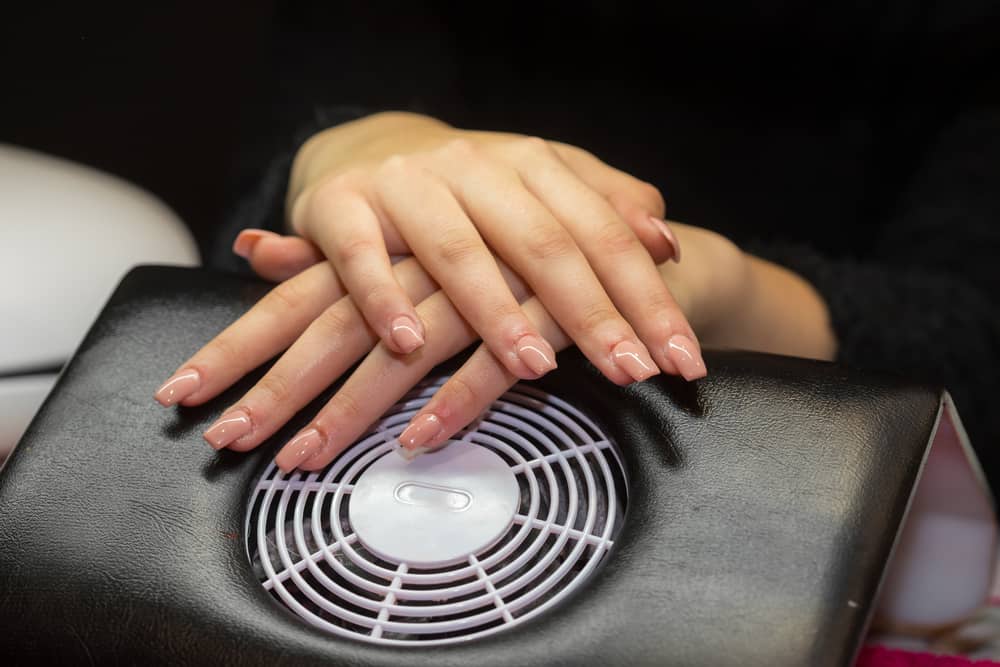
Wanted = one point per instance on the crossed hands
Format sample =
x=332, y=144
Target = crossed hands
x=527, y=245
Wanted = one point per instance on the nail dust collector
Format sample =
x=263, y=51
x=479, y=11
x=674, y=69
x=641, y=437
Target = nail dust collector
x=748, y=519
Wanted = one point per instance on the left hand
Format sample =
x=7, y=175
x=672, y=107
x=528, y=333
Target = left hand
x=308, y=311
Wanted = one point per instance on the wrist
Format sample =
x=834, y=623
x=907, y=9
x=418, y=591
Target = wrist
x=779, y=311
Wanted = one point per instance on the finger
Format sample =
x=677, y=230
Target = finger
x=341, y=222
x=378, y=382
x=326, y=349
x=470, y=390
x=639, y=203
x=270, y=326
x=538, y=247
x=458, y=259
x=623, y=266
x=274, y=257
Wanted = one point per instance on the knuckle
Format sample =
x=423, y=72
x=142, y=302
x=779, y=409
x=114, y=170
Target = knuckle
x=274, y=388
x=228, y=348
x=651, y=197
x=457, y=248
x=616, y=238
x=460, y=147
x=351, y=250
x=395, y=166
x=284, y=298
x=346, y=406
x=549, y=241
x=334, y=323
x=597, y=316
x=461, y=396
x=534, y=147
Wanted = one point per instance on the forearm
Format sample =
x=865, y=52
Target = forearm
x=780, y=313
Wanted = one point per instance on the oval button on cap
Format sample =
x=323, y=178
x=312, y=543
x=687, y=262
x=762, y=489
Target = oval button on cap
x=432, y=495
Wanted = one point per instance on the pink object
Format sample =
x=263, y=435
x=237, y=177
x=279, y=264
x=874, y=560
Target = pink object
x=664, y=229
x=405, y=334
x=300, y=448
x=247, y=239
x=880, y=656
x=943, y=563
x=634, y=360
x=181, y=384
x=421, y=431
x=686, y=356
x=536, y=354
x=228, y=428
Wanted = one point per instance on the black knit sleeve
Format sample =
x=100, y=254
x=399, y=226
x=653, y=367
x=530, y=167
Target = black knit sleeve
x=260, y=199
x=925, y=302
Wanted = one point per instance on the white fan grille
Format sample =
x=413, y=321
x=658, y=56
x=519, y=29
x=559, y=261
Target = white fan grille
x=573, y=494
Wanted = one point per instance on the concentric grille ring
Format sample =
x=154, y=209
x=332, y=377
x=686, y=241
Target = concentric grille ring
x=573, y=493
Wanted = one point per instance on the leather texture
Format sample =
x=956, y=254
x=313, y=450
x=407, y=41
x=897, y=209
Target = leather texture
x=763, y=504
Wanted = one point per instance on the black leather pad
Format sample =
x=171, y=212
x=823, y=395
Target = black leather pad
x=764, y=501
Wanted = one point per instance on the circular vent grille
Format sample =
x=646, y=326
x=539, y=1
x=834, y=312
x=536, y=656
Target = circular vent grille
x=567, y=509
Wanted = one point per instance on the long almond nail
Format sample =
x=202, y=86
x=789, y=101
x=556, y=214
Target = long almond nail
x=405, y=334
x=247, y=239
x=181, y=384
x=536, y=354
x=634, y=360
x=303, y=446
x=686, y=356
x=664, y=229
x=228, y=428
x=421, y=431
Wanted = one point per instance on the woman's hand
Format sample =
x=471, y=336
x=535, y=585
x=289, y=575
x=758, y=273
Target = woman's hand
x=581, y=234
x=326, y=333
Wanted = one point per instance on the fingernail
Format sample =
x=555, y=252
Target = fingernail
x=536, y=354
x=303, y=446
x=664, y=229
x=247, y=239
x=421, y=431
x=181, y=384
x=405, y=334
x=229, y=427
x=634, y=360
x=410, y=454
x=686, y=356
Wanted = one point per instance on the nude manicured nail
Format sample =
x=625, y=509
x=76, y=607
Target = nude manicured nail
x=634, y=360
x=664, y=229
x=421, y=431
x=181, y=384
x=247, y=239
x=228, y=428
x=536, y=354
x=300, y=448
x=686, y=356
x=405, y=334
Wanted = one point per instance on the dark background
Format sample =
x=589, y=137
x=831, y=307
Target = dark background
x=725, y=107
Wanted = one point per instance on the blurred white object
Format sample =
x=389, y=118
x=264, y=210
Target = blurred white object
x=943, y=566
x=68, y=234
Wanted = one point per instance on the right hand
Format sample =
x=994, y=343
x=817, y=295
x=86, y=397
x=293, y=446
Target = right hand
x=572, y=227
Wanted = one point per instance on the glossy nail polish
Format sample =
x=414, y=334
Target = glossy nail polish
x=535, y=353
x=247, y=239
x=181, y=384
x=300, y=448
x=421, y=431
x=228, y=428
x=664, y=229
x=634, y=360
x=405, y=334
x=686, y=356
